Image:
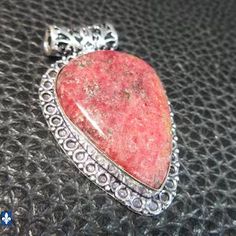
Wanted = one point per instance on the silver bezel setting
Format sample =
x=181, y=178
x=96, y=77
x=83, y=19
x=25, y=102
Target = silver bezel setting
x=93, y=164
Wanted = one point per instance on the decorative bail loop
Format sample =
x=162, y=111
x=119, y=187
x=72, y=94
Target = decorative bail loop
x=62, y=41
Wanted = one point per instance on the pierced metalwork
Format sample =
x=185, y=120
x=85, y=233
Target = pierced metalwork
x=63, y=41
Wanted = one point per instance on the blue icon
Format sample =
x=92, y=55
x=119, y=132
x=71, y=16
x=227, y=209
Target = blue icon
x=6, y=218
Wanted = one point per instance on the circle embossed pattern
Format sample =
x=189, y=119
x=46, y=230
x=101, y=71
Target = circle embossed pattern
x=192, y=45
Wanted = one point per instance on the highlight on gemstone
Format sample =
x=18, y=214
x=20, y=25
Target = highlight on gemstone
x=117, y=100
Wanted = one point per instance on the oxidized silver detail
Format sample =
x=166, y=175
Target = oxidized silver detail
x=63, y=41
x=96, y=166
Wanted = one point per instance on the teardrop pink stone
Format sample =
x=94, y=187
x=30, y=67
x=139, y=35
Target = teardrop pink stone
x=119, y=103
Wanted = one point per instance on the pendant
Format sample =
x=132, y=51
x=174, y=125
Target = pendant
x=109, y=113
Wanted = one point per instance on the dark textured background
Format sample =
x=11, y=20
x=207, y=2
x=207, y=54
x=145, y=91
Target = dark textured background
x=192, y=45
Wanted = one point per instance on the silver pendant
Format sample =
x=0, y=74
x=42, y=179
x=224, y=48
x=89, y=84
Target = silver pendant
x=69, y=44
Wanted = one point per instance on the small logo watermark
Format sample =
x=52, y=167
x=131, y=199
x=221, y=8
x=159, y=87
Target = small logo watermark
x=6, y=218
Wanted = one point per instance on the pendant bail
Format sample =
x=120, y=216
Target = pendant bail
x=61, y=41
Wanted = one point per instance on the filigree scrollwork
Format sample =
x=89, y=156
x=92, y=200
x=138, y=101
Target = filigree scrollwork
x=63, y=42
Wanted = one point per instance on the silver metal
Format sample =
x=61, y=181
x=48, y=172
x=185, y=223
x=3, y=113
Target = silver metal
x=91, y=162
x=62, y=41
x=81, y=152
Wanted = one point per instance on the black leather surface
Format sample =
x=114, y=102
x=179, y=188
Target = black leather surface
x=192, y=45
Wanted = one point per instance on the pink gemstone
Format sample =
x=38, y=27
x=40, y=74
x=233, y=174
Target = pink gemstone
x=118, y=101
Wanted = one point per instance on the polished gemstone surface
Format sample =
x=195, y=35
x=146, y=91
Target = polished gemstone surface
x=119, y=103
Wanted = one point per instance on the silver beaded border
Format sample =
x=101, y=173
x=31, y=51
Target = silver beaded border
x=95, y=165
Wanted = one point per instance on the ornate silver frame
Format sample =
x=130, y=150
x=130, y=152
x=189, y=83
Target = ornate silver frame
x=93, y=164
